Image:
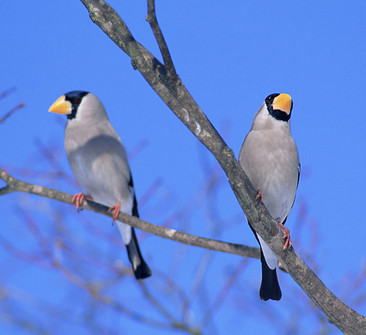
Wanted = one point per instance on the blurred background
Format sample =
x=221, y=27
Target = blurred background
x=64, y=272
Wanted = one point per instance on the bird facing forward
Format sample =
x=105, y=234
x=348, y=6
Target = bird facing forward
x=270, y=159
x=99, y=163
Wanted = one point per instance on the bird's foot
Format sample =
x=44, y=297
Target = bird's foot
x=78, y=199
x=116, y=209
x=259, y=195
x=286, y=236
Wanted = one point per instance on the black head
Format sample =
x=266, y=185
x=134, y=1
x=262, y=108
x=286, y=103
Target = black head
x=75, y=98
x=279, y=106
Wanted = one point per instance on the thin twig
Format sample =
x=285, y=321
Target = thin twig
x=27, y=256
x=151, y=18
x=42, y=242
x=7, y=92
x=224, y=292
x=96, y=294
x=156, y=303
x=175, y=324
x=12, y=111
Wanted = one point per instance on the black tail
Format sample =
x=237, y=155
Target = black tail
x=139, y=266
x=270, y=289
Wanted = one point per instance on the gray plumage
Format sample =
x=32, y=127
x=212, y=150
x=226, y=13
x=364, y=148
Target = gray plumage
x=99, y=163
x=270, y=159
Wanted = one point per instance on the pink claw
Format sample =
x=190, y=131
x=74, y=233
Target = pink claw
x=115, y=209
x=78, y=199
x=286, y=236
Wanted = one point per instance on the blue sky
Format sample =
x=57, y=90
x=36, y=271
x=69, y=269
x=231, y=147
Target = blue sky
x=230, y=55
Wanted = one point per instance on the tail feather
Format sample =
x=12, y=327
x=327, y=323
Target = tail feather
x=270, y=289
x=139, y=266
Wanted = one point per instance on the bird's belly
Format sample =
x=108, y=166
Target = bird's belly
x=100, y=180
x=274, y=173
x=278, y=198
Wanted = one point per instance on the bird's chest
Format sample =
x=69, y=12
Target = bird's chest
x=91, y=175
x=271, y=163
x=99, y=167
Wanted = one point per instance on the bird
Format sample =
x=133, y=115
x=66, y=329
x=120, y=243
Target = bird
x=270, y=159
x=99, y=163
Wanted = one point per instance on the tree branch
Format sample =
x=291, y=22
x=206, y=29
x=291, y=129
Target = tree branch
x=15, y=185
x=151, y=18
x=12, y=111
x=178, y=99
x=7, y=92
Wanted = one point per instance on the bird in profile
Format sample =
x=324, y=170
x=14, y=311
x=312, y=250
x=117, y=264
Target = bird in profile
x=99, y=163
x=270, y=159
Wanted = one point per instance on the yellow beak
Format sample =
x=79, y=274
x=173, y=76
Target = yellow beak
x=61, y=106
x=283, y=102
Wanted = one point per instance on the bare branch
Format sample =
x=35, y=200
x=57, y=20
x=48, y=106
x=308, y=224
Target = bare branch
x=12, y=111
x=178, y=99
x=163, y=311
x=15, y=185
x=223, y=293
x=106, y=300
x=151, y=18
x=7, y=92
